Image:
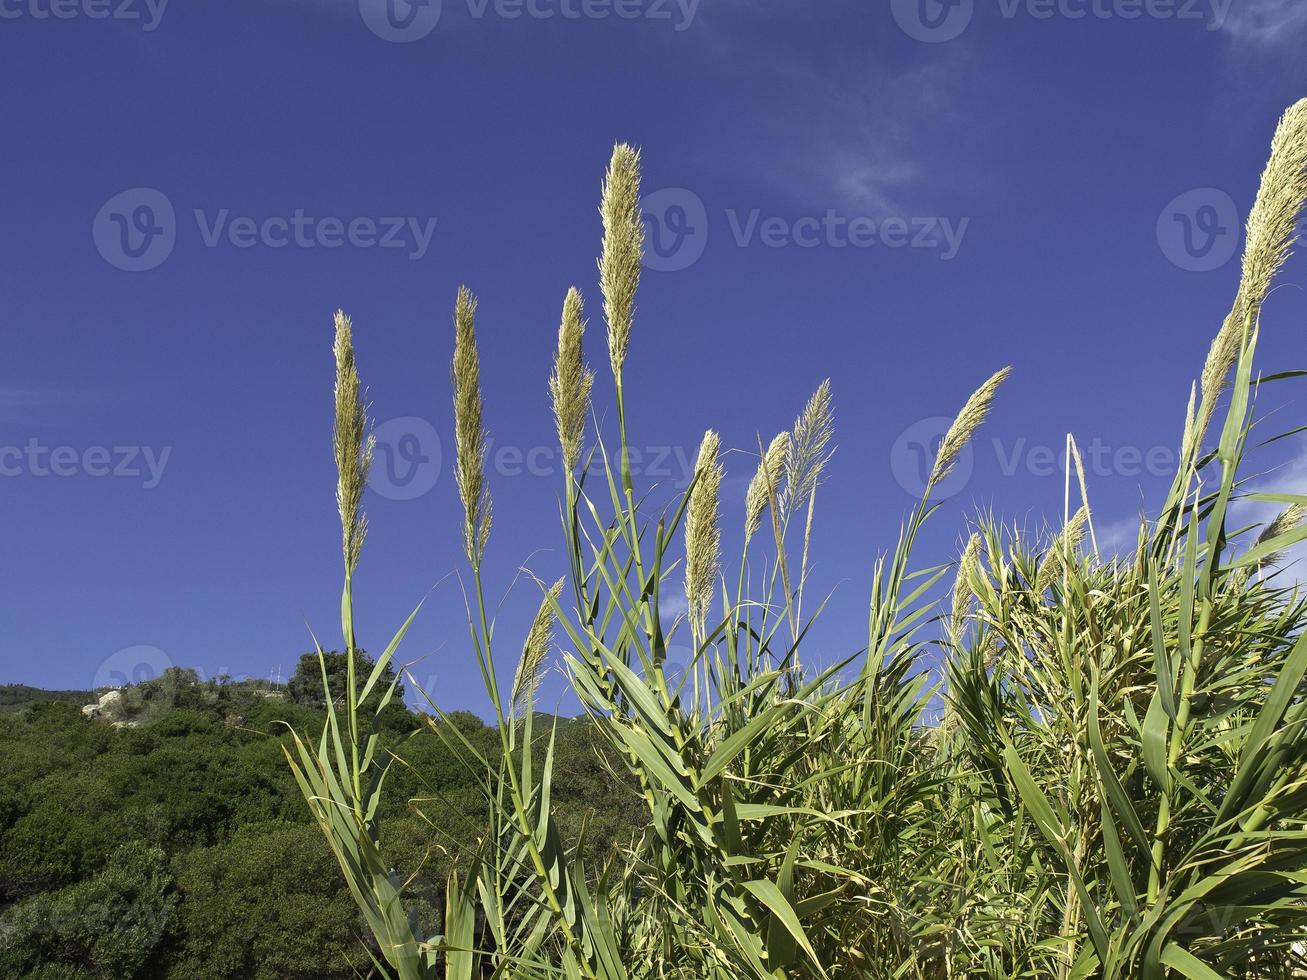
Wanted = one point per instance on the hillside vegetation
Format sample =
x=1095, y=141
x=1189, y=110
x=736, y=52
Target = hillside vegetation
x=16, y=697
x=179, y=848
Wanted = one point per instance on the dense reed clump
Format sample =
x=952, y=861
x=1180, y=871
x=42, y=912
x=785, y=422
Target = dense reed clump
x=1105, y=778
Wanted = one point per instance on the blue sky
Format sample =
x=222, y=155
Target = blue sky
x=902, y=198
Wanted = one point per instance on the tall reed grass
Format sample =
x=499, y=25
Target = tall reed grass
x=1116, y=786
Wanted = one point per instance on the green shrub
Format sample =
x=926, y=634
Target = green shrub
x=264, y=905
x=107, y=928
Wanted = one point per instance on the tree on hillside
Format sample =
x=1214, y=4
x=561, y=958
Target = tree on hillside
x=305, y=687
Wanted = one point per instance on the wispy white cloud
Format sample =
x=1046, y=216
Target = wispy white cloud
x=1291, y=477
x=864, y=139
x=1265, y=23
x=672, y=603
x=852, y=122
x=842, y=123
x=1117, y=537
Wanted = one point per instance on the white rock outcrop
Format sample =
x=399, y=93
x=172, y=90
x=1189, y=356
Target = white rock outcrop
x=110, y=703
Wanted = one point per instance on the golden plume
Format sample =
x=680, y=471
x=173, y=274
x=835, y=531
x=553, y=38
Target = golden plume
x=571, y=381
x=973, y=414
x=703, y=532
x=623, y=250
x=352, y=444
x=962, y=591
x=766, y=483
x=1062, y=550
x=534, y=651
x=469, y=429
x=1268, y=243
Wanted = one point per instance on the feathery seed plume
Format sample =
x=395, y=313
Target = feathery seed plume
x=352, y=444
x=1066, y=544
x=534, y=651
x=571, y=381
x=765, y=485
x=469, y=429
x=962, y=592
x=809, y=449
x=1190, y=419
x=973, y=414
x=1284, y=522
x=703, y=532
x=1079, y=462
x=1221, y=357
x=1268, y=243
x=623, y=251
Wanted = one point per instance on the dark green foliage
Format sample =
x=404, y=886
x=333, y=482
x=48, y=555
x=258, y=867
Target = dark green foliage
x=305, y=686
x=108, y=927
x=265, y=905
x=179, y=849
x=16, y=697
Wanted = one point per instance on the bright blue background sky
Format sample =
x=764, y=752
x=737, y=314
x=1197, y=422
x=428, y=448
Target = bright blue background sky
x=1060, y=141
